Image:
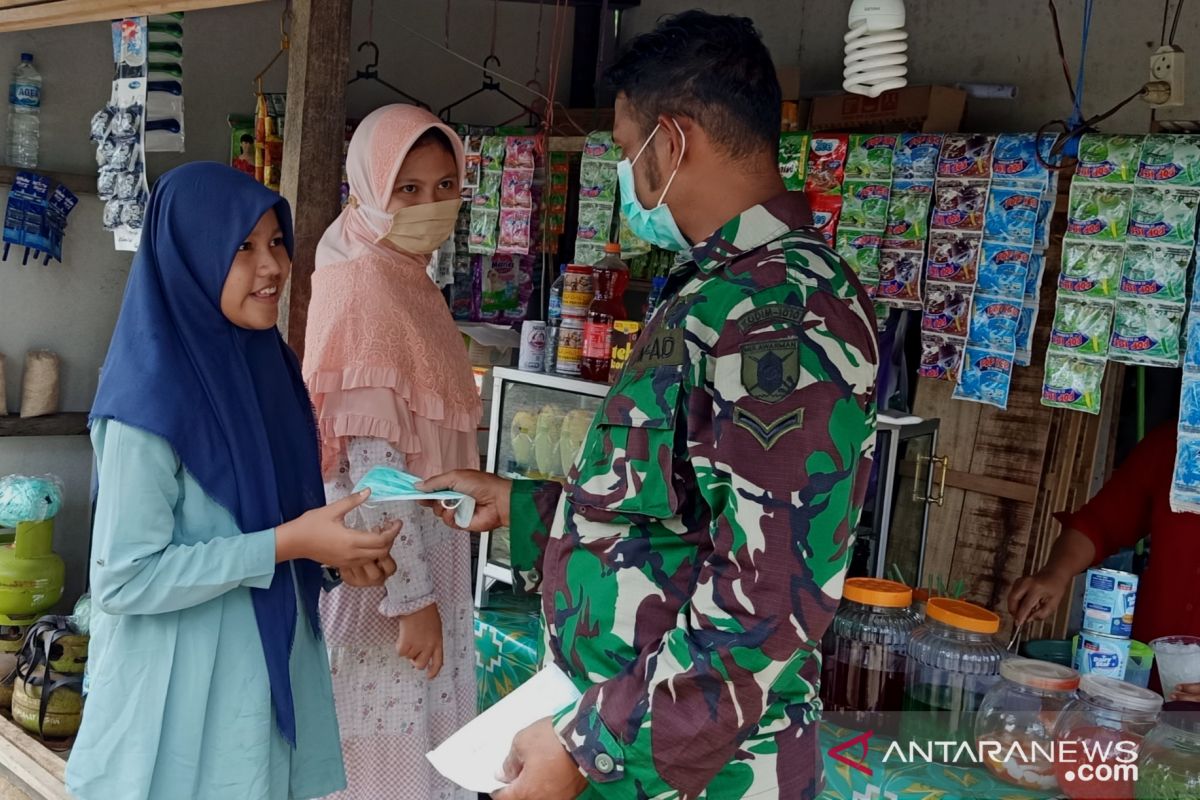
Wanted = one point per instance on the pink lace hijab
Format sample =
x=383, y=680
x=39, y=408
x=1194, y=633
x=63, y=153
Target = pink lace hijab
x=383, y=358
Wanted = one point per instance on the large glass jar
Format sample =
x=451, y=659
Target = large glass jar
x=1098, y=737
x=1015, y=725
x=953, y=660
x=866, y=646
x=1169, y=764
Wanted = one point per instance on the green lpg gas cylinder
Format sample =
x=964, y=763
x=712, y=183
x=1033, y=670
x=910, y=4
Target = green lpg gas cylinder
x=60, y=715
x=31, y=575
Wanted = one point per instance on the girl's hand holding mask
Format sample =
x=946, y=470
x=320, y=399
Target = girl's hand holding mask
x=321, y=535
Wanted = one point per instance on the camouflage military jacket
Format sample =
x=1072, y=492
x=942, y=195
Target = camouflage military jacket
x=696, y=556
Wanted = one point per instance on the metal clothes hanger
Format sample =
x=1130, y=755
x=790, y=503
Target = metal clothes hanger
x=371, y=73
x=490, y=84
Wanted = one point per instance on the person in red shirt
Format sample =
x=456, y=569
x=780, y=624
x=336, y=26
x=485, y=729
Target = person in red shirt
x=1134, y=503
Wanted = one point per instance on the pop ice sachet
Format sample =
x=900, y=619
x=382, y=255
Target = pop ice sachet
x=1073, y=383
x=1169, y=159
x=966, y=155
x=994, y=323
x=1107, y=158
x=908, y=211
x=1164, y=215
x=959, y=205
x=869, y=156
x=1015, y=159
x=953, y=257
x=1025, y=329
x=947, y=309
x=861, y=251
x=1146, y=333
x=1003, y=270
x=865, y=205
x=1155, y=272
x=941, y=357
x=986, y=377
x=1189, y=404
x=1011, y=214
x=1033, y=277
x=1098, y=212
x=1090, y=269
x=917, y=156
x=1081, y=327
x=900, y=277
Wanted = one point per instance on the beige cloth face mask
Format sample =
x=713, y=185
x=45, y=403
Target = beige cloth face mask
x=422, y=229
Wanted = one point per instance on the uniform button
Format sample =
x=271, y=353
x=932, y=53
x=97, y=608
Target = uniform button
x=534, y=575
x=605, y=764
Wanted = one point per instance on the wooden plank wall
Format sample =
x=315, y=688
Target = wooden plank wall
x=1009, y=470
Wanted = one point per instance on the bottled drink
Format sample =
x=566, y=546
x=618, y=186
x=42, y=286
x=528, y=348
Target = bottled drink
x=550, y=365
x=24, y=100
x=609, y=278
x=656, y=291
x=554, y=304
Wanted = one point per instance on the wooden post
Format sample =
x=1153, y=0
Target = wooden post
x=314, y=131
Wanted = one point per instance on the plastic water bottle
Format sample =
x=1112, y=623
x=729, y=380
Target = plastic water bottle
x=24, y=101
x=554, y=303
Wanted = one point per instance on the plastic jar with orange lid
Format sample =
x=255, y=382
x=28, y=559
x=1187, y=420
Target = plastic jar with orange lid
x=953, y=661
x=864, y=652
x=1015, y=726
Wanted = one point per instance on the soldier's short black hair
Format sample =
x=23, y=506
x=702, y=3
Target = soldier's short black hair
x=710, y=67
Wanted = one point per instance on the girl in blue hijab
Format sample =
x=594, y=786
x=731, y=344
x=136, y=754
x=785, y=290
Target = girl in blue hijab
x=208, y=678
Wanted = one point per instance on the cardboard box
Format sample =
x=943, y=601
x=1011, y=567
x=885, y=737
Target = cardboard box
x=932, y=109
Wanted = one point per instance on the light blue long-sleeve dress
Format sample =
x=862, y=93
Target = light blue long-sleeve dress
x=179, y=701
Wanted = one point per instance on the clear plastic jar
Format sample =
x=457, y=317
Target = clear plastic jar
x=1169, y=762
x=1019, y=715
x=865, y=650
x=953, y=660
x=1098, y=737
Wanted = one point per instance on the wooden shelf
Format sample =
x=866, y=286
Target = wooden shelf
x=23, y=15
x=78, y=184
x=67, y=424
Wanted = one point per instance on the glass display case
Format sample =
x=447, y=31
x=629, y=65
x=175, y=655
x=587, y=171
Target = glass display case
x=907, y=477
x=538, y=423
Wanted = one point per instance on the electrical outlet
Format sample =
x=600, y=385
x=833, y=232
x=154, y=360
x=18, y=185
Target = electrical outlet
x=1167, y=66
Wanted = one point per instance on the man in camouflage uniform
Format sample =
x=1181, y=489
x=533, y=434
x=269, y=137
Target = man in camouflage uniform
x=695, y=557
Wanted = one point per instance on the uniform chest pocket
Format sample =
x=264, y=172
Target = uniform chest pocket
x=627, y=464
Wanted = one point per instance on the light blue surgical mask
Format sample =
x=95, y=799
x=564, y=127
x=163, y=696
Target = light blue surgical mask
x=654, y=225
x=389, y=485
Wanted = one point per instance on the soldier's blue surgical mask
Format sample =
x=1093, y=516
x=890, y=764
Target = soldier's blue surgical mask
x=654, y=225
x=388, y=485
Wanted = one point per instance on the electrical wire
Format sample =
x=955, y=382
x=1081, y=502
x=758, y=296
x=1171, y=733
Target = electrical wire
x=1175, y=23
x=1070, y=132
x=1062, y=51
x=1081, y=74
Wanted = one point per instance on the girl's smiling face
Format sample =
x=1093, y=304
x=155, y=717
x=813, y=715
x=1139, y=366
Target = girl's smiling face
x=256, y=278
x=429, y=174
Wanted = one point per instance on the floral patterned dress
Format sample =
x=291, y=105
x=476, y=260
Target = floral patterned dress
x=390, y=713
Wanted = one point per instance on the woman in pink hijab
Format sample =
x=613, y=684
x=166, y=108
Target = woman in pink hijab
x=391, y=383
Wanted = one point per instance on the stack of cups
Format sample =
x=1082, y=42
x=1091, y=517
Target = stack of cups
x=1105, y=647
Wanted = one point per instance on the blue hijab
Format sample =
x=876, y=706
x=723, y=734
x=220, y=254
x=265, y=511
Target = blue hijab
x=230, y=401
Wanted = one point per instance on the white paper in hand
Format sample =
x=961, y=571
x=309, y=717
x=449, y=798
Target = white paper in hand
x=474, y=756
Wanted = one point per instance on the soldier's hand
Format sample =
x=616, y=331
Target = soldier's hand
x=490, y=493
x=539, y=768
